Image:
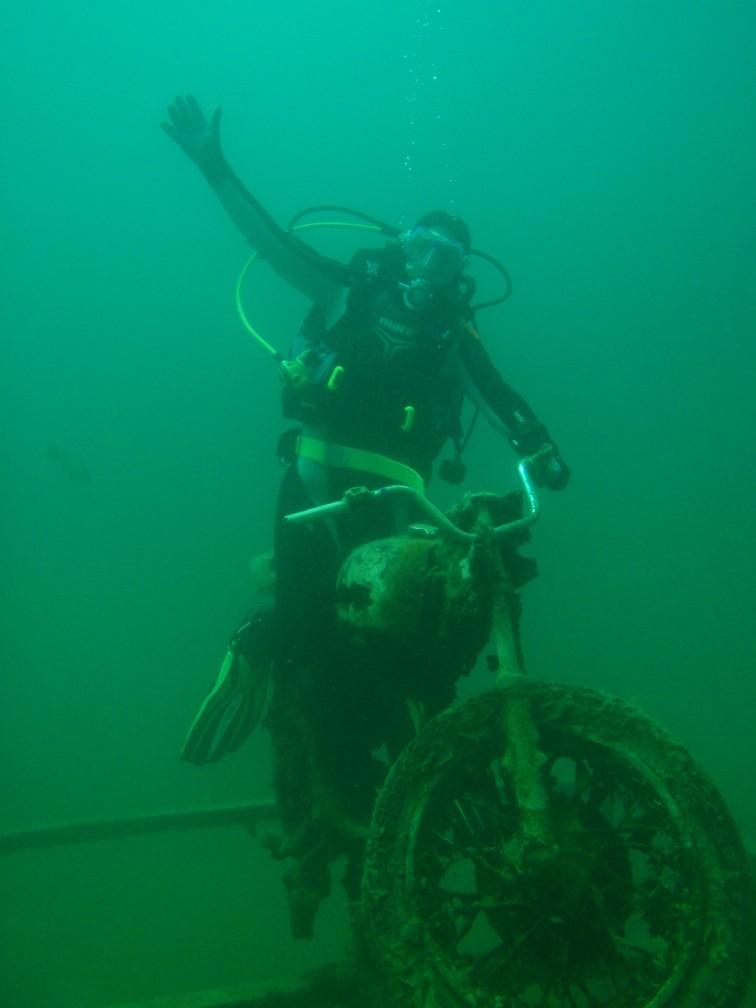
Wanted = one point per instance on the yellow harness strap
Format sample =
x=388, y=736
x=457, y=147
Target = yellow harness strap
x=341, y=457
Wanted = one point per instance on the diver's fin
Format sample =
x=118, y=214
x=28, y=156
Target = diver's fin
x=233, y=706
x=229, y=712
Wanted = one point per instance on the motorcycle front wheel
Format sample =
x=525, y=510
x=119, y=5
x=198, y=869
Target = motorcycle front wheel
x=644, y=898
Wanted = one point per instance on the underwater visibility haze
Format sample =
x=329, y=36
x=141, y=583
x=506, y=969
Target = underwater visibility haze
x=606, y=153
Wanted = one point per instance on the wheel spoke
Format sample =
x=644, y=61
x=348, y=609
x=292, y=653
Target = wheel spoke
x=471, y=854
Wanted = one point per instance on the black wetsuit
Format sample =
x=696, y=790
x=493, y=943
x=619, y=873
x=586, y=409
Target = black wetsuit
x=395, y=358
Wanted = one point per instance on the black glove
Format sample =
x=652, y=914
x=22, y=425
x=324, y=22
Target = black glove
x=550, y=470
x=197, y=136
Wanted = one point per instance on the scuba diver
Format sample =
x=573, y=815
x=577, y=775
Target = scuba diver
x=375, y=381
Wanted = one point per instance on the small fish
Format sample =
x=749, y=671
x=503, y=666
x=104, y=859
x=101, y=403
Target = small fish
x=72, y=467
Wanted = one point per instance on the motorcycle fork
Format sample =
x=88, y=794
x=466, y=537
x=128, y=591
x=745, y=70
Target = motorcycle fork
x=522, y=761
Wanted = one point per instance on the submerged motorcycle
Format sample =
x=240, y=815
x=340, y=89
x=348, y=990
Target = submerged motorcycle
x=540, y=844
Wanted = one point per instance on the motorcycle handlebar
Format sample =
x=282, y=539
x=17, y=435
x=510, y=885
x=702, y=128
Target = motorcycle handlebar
x=430, y=509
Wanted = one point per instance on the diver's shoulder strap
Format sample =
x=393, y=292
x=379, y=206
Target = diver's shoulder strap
x=372, y=271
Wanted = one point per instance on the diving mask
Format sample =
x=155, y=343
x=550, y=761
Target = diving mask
x=433, y=254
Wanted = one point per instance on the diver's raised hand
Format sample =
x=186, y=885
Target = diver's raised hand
x=196, y=135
